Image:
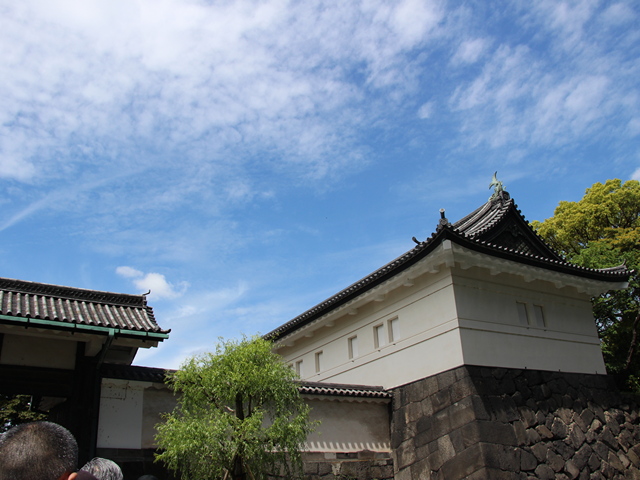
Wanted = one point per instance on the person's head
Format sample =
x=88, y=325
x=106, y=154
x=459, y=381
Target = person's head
x=103, y=469
x=38, y=451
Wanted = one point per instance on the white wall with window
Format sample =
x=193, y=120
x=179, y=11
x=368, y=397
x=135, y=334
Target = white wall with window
x=458, y=308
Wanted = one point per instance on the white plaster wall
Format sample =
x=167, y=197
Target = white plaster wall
x=540, y=353
x=157, y=400
x=348, y=426
x=492, y=333
x=453, y=317
x=121, y=414
x=416, y=357
x=427, y=344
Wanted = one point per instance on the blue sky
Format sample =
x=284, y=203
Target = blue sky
x=245, y=160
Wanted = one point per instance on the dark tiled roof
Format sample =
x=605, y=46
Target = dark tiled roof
x=499, y=222
x=19, y=298
x=158, y=375
x=333, y=389
x=134, y=372
x=497, y=229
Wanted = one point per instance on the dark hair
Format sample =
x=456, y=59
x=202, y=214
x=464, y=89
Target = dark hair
x=103, y=469
x=37, y=451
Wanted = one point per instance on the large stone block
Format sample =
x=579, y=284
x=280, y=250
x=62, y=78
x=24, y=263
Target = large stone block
x=528, y=462
x=576, y=437
x=501, y=457
x=581, y=458
x=446, y=379
x=405, y=454
x=413, y=413
x=461, y=389
x=545, y=472
x=496, y=432
x=461, y=413
x=526, y=423
x=464, y=464
x=441, y=400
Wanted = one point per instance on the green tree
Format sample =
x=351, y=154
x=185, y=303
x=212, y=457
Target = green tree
x=239, y=413
x=16, y=409
x=603, y=230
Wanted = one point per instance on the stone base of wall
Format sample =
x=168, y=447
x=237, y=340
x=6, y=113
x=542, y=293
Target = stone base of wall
x=348, y=466
x=326, y=466
x=495, y=423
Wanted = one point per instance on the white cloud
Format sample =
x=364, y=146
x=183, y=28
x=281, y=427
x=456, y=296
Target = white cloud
x=197, y=104
x=634, y=126
x=568, y=20
x=426, y=110
x=155, y=283
x=618, y=14
x=197, y=79
x=129, y=272
x=636, y=175
x=412, y=20
x=557, y=95
x=470, y=51
x=208, y=303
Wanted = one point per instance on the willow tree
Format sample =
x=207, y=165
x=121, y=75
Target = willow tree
x=603, y=230
x=239, y=415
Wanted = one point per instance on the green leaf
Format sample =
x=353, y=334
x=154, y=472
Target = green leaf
x=239, y=409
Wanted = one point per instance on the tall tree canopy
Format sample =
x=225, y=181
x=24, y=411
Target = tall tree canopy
x=239, y=413
x=603, y=230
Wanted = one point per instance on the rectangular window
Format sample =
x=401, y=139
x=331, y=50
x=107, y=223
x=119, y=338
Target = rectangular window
x=318, y=362
x=378, y=336
x=353, y=347
x=394, y=330
x=523, y=313
x=299, y=368
x=538, y=314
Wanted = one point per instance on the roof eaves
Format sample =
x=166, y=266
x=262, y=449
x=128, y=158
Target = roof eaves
x=340, y=390
x=363, y=285
x=612, y=274
x=76, y=327
x=134, y=372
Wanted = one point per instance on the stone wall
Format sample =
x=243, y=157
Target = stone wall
x=317, y=466
x=494, y=423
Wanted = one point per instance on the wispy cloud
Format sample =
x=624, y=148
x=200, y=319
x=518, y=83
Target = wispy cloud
x=209, y=146
x=154, y=283
x=571, y=91
x=210, y=78
x=470, y=51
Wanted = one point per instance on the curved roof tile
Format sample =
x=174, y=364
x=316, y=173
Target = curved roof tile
x=19, y=298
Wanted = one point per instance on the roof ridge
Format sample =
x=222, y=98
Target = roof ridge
x=72, y=293
x=59, y=306
x=468, y=221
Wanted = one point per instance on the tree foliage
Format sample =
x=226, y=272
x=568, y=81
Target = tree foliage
x=16, y=409
x=603, y=230
x=239, y=413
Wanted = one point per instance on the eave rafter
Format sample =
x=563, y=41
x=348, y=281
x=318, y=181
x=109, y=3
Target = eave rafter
x=466, y=258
